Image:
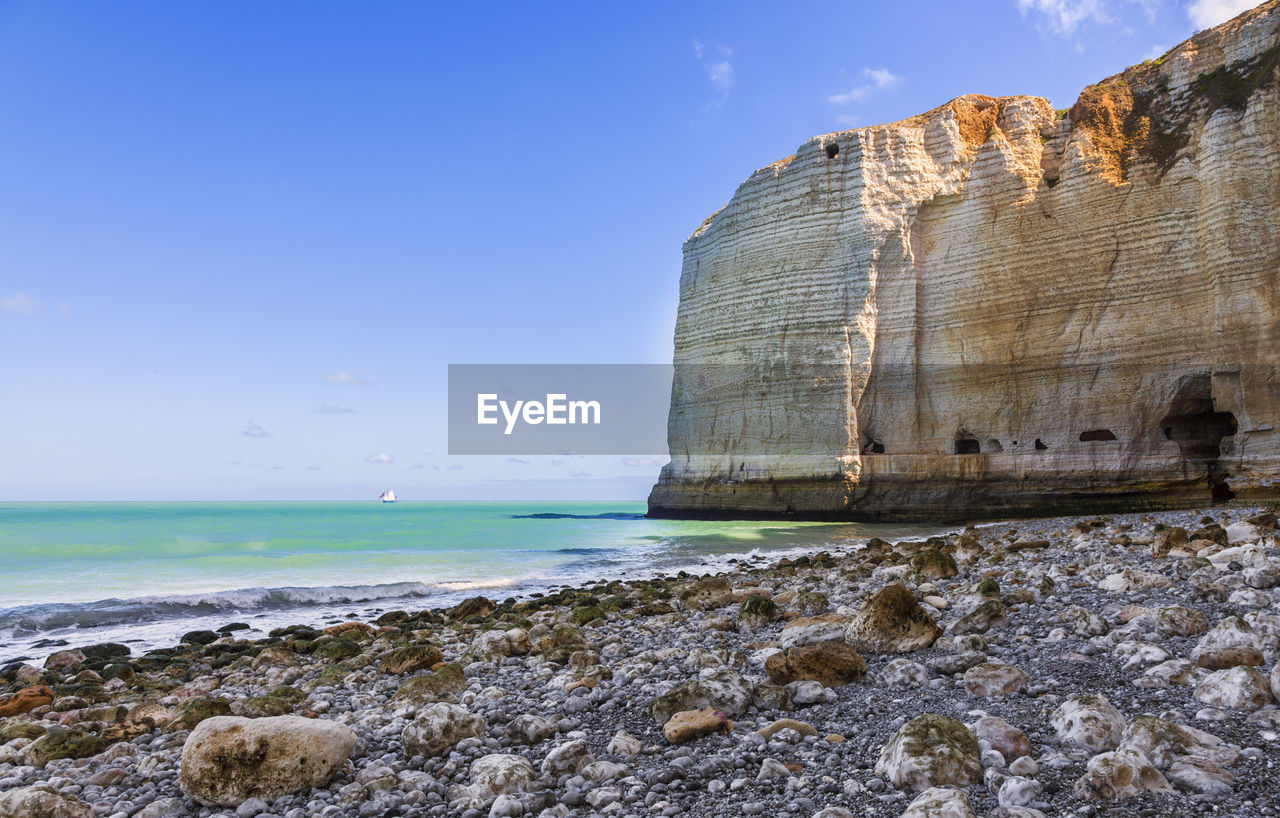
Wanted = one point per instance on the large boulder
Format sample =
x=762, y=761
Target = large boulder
x=568, y=757
x=194, y=711
x=228, y=759
x=1234, y=632
x=62, y=742
x=491, y=646
x=891, y=621
x=410, y=658
x=723, y=690
x=1003, y=737
x=707, y=594
x=26, y=700
x=1117, y=775
x=1165, y=743
x=931, y=751
x=1088, y=721
x=437, y=729
x=475, y=606
x=994, y=680
x=63, y=660
x=500, y=774
x=832, y=663
x=1238, y=688
x=940, y=802
x=439, y=685
x=41, y=802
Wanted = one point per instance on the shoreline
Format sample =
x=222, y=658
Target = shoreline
x=156, y=620
x=570, y=689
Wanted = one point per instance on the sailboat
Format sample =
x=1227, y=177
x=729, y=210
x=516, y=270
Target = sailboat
x=388, y=496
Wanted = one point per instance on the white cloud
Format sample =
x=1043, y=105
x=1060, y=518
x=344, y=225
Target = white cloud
x=517, y=460
x=328, y=409
x=454, y=467
x=252, y=429
x=715, y=62
x=349, y=379
x=64, y=309
x=1156, y=51
x=18, y=304
x=1063, y=17
x=639, y=462
x=380, y=457
x=876, y=81
x=314, y=468
x=1209, y=13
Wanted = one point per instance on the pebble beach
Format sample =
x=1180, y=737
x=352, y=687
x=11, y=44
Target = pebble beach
x=1123, y=665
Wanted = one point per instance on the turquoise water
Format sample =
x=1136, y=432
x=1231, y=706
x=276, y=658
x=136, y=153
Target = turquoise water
x=92, y=572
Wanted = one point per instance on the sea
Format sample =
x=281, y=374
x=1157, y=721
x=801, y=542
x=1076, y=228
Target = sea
x=142, y=574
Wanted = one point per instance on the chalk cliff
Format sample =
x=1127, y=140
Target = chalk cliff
x=994, y=308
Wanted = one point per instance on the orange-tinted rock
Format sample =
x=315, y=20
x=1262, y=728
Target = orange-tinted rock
x=26, y=700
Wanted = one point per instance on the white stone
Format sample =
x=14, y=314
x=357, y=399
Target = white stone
x=437, y=729
x=624, y=744
x=40, y=801
x=566, y=758
x=930, y=751
x=500, y=774
x=1089, y=722
x=1117, y=775
x=1016, y=791
x=903, y=673
x=940, y=802
x=1238, y=688
x=228, y=759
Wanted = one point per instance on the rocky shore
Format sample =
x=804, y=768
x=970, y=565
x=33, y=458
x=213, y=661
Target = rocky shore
x=1072, y=666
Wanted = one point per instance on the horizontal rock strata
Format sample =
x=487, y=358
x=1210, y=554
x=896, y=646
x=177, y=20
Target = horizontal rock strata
x=997, y=308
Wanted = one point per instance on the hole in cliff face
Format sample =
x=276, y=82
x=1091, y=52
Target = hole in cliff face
x=1194, y=423
x=994, y=445
x=1100, y=435
x=1040, y=447
x=966, y=444
x=832, y=149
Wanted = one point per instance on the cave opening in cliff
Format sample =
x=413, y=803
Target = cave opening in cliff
x=1098, y=435
x=832, y=149
x=1040, y=447
x=1195, y=424
x=967, y=444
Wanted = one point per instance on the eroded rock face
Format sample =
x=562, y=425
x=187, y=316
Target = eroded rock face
x=227, y=759
x=988, y=309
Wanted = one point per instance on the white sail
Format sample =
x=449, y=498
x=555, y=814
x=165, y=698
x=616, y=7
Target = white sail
x=390, y=496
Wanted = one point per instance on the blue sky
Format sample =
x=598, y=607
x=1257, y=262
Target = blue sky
x=242, y=241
